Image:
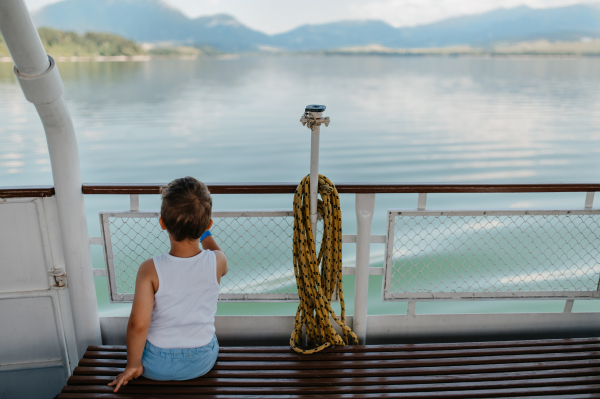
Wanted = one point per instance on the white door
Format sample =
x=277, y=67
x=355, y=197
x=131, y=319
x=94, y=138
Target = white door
x=37, y=342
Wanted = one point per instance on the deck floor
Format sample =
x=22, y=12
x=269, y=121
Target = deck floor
x=558, y=368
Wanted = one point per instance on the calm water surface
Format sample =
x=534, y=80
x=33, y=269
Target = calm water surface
x=397, y=119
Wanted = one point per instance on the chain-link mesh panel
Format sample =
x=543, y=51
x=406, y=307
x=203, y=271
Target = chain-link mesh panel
x=259, y=254
x=258, y=246
x=133, y=241
x=502, y=255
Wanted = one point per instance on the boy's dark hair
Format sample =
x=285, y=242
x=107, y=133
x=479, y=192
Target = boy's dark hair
x=186, y=208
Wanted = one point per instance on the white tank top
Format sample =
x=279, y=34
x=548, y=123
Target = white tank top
x=186, y=301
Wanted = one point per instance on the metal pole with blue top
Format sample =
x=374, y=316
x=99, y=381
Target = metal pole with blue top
x=313, y=118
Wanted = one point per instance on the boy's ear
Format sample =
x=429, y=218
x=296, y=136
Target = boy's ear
x=210, y=224
x=162, y=224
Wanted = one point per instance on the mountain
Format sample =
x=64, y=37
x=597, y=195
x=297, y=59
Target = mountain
x=149, y=21
x=505, y=25
x=155, y=21
x=501, y=25
x=335, y=35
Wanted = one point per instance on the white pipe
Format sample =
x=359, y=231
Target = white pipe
x=64, y=158
x=314, y=172
x=365, y=207
x=41, y=83
x=22, y=38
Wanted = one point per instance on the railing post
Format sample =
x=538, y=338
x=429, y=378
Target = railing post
x=589, y=200
x=313, y=118
x=365, y=206
x=41, y=83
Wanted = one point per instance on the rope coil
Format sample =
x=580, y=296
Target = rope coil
x=317, y=285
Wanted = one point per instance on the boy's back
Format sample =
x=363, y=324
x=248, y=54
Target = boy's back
x=186, y=301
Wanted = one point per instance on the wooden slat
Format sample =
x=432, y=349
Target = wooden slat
x=292, y=356
x=577, y=396
x=387, y=348
x=482, y=393
x=355, y=188
x=127, y=396
x=383, y=372
x=26, y=192
x=346, y=364
x=291, y=382
x=339, y=389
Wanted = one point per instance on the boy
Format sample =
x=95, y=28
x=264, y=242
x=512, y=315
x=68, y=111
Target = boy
x=171, y=332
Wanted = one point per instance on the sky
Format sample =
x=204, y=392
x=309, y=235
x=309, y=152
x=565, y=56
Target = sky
x=275, y=16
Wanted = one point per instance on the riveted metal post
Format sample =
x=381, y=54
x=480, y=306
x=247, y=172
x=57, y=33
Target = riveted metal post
x=365, y=207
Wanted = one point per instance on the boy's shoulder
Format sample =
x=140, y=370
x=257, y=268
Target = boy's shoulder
x=147, y=268
x=220, y=256
x=147, y=274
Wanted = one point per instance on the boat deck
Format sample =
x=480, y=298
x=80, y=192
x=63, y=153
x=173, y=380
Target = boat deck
x=553, y=368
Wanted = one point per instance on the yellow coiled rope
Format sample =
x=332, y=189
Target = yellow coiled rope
x=316, y=286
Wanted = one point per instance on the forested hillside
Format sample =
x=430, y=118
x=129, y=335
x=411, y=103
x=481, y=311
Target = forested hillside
x=65, y=44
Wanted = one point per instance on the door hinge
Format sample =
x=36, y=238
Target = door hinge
x=60, y=276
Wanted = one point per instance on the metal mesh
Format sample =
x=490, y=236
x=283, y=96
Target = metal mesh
x=500, y=254
x=259, y=254
x=133, y=241
x=258, y=250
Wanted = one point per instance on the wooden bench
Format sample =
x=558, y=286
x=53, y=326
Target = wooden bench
x=557, y=368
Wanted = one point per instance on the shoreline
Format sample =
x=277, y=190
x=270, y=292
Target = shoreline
x=129, y=58
x=146, y=58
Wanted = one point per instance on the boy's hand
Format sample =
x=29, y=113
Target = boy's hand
x=128, y=374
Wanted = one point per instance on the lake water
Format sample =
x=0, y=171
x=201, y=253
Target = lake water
x=393, y=119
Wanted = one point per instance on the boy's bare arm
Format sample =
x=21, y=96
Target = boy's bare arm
x=211, y=244
x=139, y=322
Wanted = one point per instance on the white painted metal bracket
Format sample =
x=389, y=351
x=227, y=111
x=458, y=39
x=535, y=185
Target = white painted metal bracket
x=134, y=202
x=351, y=271
x=422, y=203
x=351, y=239
x=569, y=306
x=100, y=273
x=96, y=241
x=589, y=200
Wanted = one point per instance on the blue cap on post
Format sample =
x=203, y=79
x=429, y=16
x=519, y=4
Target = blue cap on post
x=314, y=108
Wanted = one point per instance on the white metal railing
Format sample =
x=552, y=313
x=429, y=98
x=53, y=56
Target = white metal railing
x=492, y=254
x=431, y=254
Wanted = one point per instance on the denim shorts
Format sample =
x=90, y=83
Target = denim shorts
x=179, y=364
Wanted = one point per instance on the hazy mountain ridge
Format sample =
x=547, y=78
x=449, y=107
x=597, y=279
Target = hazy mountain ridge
x=155, y=21
x=148, y=21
